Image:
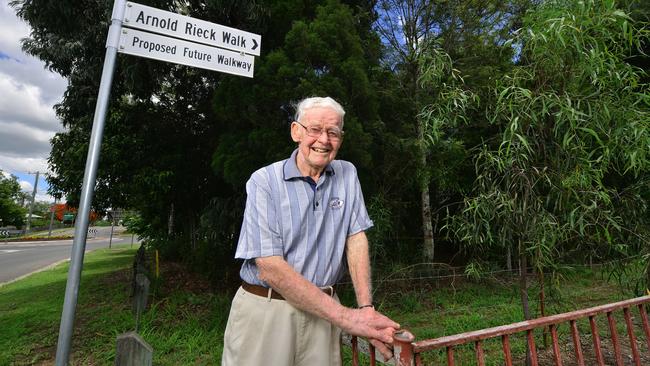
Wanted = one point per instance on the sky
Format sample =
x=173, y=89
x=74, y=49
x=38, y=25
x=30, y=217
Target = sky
x=28, y=92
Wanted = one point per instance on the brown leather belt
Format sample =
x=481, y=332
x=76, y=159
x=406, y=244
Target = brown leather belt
x=264, y=292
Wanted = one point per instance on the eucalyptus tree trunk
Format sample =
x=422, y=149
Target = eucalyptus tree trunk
x=407, y=25
x=425, y=198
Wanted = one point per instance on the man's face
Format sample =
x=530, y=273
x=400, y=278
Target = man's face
x=315, y=152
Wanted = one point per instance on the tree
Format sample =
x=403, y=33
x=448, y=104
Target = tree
x=472, y=34
x=11, y=213
x=569, y=176
x=180, y=142
x=328, y=49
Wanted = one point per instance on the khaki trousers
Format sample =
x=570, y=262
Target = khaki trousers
x=263, y=331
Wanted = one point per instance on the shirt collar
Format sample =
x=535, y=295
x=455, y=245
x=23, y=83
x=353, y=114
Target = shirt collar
x=290, y=169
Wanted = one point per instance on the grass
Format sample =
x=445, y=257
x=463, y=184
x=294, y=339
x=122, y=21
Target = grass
x=472, y=305
x=184, y=327
x=45, y=233
x=186, y=319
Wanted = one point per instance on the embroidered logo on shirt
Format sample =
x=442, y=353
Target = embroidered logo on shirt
x=336, y=203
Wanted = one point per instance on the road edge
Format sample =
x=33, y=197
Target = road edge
x=49, y=266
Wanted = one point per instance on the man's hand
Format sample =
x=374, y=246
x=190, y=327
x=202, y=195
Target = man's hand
x=374, y=326
x=386, y=350
x=368, y=323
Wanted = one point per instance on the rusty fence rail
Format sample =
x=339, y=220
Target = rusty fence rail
x=407, y=352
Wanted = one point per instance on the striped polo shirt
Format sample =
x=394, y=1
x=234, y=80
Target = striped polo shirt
x=287, y=215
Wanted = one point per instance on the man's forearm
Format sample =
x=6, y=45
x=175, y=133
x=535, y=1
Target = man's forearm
x=359, y=264
x=301, y=293
x=304, y=295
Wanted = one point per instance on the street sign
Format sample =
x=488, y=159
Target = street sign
x=166, y=48
x=10, y=232
x=196, y=30
x=134, y=42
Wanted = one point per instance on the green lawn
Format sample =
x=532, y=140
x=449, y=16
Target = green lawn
x=183, y=327
x=186, y=319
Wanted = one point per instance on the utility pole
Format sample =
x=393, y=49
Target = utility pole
x=31, y=206
x=52, y=216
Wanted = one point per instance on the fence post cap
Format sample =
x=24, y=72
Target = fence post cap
x=404, y=335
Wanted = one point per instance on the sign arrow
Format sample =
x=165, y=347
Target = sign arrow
x=183, y=27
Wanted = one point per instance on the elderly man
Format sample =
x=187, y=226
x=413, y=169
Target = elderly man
x=304, y=223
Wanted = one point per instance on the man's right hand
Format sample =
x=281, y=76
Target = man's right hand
x=369, y=323
x=386, y=350
x=374, y=326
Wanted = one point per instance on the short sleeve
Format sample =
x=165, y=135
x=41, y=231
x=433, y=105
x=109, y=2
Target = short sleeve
x=259, y=236
x=359, y=220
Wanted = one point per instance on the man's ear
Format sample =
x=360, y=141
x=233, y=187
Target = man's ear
x=296, y=134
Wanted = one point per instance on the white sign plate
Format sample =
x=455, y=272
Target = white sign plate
x=196, y=30
x=137, y=43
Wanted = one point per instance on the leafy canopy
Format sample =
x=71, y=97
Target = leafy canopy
x=11, y=213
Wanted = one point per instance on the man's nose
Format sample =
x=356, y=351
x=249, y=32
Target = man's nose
x=323, y=136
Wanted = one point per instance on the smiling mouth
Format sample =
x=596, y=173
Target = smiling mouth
x=320, y=150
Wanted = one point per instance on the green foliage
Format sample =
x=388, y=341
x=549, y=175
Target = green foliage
x=134, y=223
x=570, y=172
x=418, y=36
x=555, y=157
x=451, y=102
x=380, y=236
x=328, y=49
x=451, y=107
x=10, y=211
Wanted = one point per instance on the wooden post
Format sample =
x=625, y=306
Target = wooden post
x=132, y=350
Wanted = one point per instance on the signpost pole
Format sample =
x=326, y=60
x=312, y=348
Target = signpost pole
x=90, y=174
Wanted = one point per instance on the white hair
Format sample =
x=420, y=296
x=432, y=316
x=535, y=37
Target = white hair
x=319, y=102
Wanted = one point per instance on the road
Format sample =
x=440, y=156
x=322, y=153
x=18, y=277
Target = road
x=21, y=258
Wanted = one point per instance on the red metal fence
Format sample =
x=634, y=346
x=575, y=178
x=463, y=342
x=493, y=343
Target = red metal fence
x=407, y=352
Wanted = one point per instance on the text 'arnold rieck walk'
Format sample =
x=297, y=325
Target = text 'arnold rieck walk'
x=209, y=34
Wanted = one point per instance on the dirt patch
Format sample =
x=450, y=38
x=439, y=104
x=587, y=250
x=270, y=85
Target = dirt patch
x=176, y=277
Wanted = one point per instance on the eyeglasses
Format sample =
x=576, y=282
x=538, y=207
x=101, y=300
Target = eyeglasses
x=334, y=134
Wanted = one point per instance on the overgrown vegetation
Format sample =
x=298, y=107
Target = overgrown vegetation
x=186, y=318
x=483, y=130
x=11, y=213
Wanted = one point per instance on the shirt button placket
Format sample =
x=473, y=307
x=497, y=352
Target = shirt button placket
x=318, y=196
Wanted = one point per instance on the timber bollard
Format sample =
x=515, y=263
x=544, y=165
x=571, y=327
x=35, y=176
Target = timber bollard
x=140, y=297
x=132, y=350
